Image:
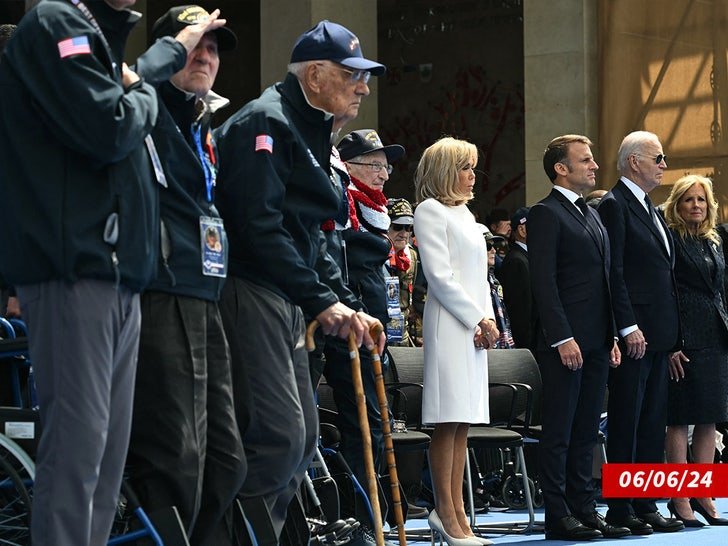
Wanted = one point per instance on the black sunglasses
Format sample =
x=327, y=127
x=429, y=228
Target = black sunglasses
x=400, y=227
x=489, y=245
x=659, y=158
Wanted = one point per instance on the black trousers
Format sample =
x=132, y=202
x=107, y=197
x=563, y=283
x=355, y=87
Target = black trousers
x=572, y=403
x=185, y=446
x=637, y=412
x=273, y=391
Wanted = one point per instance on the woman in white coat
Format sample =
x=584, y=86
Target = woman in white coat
x=458, y=324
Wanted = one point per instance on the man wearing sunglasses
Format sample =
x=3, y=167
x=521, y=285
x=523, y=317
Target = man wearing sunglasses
x=645, y=310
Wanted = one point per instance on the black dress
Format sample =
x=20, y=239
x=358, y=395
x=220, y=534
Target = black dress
x=702, y=396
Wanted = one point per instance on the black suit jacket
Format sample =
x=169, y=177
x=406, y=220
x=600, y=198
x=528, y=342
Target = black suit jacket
x=516, y=282
x=569, y=267
x=702, y=300
x=641, y=276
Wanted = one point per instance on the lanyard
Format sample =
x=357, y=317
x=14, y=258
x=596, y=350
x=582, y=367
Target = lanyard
x=206, y=166
x=94, y=23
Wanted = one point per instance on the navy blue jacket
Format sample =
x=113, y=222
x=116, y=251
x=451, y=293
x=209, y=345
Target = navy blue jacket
x=274, y=202
x=184, y=200
x=77, y=192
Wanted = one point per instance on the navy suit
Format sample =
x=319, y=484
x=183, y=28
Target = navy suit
x=643, y=293
x=515, y=279
x=569, y=265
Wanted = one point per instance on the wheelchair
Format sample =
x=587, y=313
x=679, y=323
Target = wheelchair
x=18, y=442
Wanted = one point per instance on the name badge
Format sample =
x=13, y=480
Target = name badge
x=395, y=326
x=213, y=242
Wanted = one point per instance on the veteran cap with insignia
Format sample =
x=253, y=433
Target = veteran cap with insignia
x=329, y=41
x=366, y=141
x=400, y=211
x=180, y=17
x=489, y=234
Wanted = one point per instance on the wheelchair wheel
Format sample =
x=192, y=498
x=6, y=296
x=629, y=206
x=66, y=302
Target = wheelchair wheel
x=14, y=507
x=513, y=492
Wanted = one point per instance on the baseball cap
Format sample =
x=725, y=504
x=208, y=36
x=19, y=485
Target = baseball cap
x=489, y=235
x=180, y=17
x=400, y=212
x=519, y=217
x=329, y=41
x=366, y=141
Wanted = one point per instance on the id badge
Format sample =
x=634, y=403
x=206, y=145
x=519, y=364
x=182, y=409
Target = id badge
x=392, y=291
x=213, y=242
x=395, y=326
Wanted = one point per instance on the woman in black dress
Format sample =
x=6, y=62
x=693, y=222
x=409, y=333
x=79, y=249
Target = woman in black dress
x=698, y=391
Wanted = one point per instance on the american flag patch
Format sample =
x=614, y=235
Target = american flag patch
x=264, y=142
x=74, y=46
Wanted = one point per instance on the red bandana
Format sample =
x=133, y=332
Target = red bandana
x=399, y=260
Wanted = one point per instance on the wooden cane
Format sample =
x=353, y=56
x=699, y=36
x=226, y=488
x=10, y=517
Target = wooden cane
x=375, y=332
x=366, y=435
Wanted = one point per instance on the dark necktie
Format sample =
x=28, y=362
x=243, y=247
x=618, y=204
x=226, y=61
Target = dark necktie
x=583, y=207
x=656, y=221
x=591, y=225
x=651, y=210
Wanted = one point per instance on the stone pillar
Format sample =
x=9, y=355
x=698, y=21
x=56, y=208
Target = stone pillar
x=560, y=80
x=283, y=21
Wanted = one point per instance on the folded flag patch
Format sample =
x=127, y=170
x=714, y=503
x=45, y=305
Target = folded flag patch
x=74, y=46
x=264, y=142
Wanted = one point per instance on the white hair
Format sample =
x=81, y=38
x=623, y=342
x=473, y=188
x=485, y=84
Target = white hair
x=632, y=144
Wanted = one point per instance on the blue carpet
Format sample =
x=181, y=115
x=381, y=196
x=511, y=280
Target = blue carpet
x=704, y=536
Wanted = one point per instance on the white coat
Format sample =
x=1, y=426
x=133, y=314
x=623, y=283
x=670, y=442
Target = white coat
x=455, y=262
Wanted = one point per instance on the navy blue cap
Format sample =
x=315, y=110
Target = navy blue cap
x=329, y=41
x=519, y=217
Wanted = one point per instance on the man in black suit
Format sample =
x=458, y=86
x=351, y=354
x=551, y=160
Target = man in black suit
x=644, y=300
x=568, y=254
x=516, y=281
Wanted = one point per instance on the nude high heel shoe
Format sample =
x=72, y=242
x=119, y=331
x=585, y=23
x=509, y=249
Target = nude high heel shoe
x=437, y=528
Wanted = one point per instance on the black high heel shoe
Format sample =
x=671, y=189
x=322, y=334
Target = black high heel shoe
x=686, y=522
x=697, y=507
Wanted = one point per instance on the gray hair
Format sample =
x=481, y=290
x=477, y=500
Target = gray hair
x=632, y=144
x=297, y=69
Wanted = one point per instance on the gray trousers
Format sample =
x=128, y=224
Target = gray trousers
x=83, y=345
x=268, y=353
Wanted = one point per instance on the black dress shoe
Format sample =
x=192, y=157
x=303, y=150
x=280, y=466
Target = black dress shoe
x=661, y=524
x=596, y=521
x=570, y=528
x=635, y=525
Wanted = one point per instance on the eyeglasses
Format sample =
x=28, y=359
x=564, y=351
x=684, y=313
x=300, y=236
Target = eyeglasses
x=400, y=227
x=354, y=75
x=659, y=158
x=376, y=166
x=489, y=245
